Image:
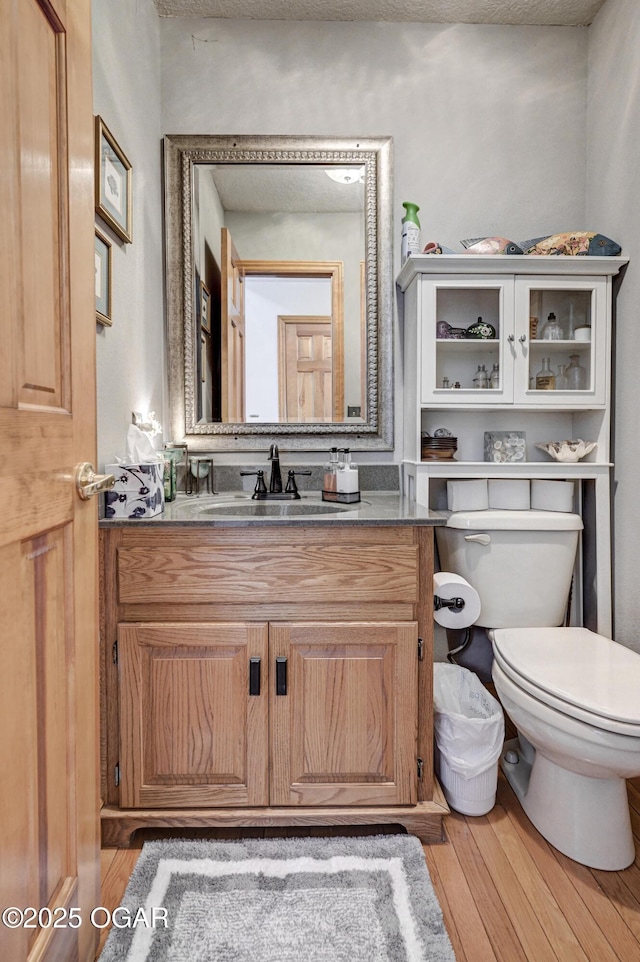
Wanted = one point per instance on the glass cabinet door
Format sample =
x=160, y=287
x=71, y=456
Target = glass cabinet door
x=467, y=341
x=560, y=341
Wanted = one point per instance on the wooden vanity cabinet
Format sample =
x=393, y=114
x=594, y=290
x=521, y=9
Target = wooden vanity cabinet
x=260, y=676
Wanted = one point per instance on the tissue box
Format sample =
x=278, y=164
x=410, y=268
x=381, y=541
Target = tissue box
x=467, y=495
x=138, y=491
x=509, y=495
x=501, y=446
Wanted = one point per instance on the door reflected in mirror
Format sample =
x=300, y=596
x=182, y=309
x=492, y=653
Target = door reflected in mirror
x=279, y=288
x=277, y=243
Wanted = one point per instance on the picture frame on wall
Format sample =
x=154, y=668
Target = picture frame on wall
x=205, y=311
x=103, y=279
x=113, y=179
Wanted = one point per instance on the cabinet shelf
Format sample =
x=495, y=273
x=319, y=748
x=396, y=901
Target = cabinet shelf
x=530, y=468
x=468, y=343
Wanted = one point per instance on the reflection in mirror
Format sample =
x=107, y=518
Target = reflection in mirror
x=278, y=291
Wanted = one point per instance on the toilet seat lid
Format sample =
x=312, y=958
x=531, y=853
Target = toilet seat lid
x=577, y=667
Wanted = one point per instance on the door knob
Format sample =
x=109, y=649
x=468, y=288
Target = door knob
x=89, y=483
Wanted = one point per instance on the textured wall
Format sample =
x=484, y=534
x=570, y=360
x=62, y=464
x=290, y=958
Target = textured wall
x=488, y=122
x=126, y=85
x=613, y=203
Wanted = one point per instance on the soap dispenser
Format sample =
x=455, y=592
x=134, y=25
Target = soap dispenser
x=329, y=485
x=347, y=484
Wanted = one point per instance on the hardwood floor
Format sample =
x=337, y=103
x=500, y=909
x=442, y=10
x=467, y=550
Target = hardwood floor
x=506, y=895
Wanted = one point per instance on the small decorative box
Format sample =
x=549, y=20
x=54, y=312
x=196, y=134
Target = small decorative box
x=138, y=491
x=501, y=446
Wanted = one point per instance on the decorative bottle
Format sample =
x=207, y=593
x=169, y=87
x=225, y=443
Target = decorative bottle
x=481, y=378
x=545, y=378
x=552, y=330
x=410, y=231
x=494, y=378
x=562, y=381
x=576, y=374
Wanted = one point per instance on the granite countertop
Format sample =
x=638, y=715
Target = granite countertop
x=237, y=509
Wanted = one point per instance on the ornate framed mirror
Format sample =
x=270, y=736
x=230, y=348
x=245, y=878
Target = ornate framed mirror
x=279, y=291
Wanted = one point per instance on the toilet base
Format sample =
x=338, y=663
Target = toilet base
x=585, y=818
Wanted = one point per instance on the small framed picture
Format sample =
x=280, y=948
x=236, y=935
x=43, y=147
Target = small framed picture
x=102, y=265
x=113, y=182
x=205, y=315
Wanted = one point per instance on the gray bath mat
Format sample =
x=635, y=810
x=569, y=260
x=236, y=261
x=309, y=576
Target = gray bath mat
x=367, y=899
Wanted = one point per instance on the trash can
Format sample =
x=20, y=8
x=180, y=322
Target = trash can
x=469, y=736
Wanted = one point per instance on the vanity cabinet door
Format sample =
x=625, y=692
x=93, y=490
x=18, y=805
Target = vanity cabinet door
x=193, y=717
x=343, y=713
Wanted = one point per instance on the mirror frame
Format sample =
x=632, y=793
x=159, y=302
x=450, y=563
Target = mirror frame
x=376, y=154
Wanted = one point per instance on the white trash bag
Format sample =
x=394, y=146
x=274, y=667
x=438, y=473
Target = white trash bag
x=469, y=736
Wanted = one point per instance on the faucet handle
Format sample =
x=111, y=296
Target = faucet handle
x=260, y=487
x=292, y=487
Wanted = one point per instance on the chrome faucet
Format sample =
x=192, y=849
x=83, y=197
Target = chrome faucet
x=275, y=492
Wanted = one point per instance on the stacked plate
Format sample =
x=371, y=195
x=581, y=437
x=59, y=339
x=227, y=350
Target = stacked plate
x=438, y=449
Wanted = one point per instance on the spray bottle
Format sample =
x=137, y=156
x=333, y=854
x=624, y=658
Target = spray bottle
x=410, y=231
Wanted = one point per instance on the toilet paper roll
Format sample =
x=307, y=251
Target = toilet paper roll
x=447, y=585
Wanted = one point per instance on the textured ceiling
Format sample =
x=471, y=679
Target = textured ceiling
x=549, y=12
x=268, y=188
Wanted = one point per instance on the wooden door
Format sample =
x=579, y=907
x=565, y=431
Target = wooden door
x=305, y=376
x=344, y=731
x=193, y=719
x=49, y=840
x=233, y=364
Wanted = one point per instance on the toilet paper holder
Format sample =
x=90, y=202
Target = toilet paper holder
x=456, y=604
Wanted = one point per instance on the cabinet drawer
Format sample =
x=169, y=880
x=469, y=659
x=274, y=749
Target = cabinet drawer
x=275, y=572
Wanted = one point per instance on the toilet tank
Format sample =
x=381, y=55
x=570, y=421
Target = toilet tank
x=519, y=562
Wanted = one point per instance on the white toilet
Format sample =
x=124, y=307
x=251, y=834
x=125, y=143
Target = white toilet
x=573, y=695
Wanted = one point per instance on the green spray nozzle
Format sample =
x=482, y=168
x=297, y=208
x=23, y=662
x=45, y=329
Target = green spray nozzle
x=411, y=213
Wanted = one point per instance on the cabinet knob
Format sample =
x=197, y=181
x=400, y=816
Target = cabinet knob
x=511, y=338
x=522, y=338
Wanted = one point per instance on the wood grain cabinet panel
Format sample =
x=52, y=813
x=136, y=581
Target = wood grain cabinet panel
x=345, y=730
x=271, y=573
x=190, y=731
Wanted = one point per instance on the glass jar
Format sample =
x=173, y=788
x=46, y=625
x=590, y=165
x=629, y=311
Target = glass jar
x=494, y=378
x=545, y=378
x=562, y=381
x=552, y=330
x=576, y=374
